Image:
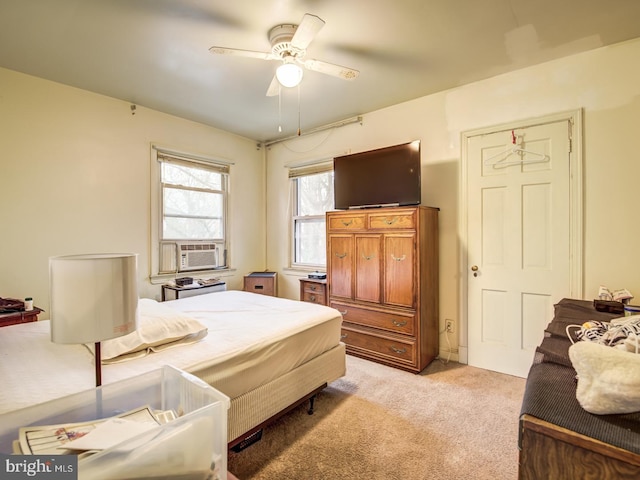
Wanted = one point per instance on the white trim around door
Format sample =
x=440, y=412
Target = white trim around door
x=575, y=123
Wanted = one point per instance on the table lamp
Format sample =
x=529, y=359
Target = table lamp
x=94, y=297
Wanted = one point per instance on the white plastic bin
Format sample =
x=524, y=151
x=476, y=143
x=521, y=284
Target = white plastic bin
x=193, y=446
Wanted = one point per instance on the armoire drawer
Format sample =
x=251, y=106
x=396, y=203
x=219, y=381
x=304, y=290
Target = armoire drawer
x=392, y=220
x=368, y=343
x=399, y=322
x=343, y=223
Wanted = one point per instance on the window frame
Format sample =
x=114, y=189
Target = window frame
x=295, y=173
x=165, y=159
x=159, y=245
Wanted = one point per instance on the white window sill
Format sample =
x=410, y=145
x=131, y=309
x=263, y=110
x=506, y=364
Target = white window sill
x=302, y=271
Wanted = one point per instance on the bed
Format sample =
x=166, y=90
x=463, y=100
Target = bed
x=266, y=354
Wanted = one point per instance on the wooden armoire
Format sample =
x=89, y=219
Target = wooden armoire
x=382, y=273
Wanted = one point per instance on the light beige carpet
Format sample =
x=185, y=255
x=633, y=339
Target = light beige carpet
x=451, y=421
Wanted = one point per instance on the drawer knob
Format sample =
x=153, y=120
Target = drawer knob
x=343, y=313
x=392, y=221
x=367, y=257
x=398, y=259
x=346, y=223
x=398, y=323
x=312, y=298
x=313, y=287
x=343, y=336
x=398, y=350
x=341, y=255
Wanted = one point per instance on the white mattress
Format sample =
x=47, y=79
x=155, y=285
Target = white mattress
x=252, y=340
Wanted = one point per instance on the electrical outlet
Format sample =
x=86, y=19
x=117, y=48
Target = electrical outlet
x=449, y=326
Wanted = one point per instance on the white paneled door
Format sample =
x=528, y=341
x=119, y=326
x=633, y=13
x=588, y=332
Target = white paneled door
x=518, y=241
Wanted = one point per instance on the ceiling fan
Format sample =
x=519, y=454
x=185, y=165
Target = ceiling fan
x=289, y=45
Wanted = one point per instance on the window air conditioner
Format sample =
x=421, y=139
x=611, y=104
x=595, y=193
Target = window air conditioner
x=196, y=256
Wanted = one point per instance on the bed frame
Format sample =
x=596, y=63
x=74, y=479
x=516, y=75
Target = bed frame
x=250, y=412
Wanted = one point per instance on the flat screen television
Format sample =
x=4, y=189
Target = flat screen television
x=378, y=178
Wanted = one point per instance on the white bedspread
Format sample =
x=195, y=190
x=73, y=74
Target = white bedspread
x=252, y=339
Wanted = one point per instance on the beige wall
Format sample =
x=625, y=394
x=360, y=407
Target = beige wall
x=75, y=170
x=75, y=178
x=605, y=83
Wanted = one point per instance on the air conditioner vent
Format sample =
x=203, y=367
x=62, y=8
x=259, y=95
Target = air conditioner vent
x=197, y=256
x=196, y=246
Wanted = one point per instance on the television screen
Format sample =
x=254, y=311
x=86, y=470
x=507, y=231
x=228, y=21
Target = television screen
x=385, y=177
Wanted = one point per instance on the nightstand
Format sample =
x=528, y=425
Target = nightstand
x=261, y=282
x=12, y=318
x=313, y=291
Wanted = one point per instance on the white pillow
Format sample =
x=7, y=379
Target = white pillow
x=608, y=378
x=159, y=327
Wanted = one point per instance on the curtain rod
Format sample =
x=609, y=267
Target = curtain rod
x=341, y=123
x=190, y=156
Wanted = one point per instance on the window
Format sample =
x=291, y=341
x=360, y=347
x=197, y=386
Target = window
x=189, y=202
x=193, y=199
x=312, y=190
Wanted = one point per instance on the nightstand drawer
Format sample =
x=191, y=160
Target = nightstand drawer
x=313, y=297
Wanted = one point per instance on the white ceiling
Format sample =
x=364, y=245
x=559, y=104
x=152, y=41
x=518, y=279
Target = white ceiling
x=154, y=53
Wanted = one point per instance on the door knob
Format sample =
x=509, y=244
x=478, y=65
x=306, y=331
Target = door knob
x=474, y=269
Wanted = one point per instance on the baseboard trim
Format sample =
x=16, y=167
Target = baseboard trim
x=463, y=354
x=445, y=354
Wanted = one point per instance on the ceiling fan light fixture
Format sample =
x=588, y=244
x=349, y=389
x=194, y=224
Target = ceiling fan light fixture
x=289, y=74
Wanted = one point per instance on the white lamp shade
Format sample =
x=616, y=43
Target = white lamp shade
x=289, y=74
x=93, y=297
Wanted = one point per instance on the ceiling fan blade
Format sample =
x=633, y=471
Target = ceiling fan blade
x=345, y=73
x=243, y=53
x=306, y=31
x=274, y=88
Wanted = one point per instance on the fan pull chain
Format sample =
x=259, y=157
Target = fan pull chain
x=298, y=109
x=279, y=108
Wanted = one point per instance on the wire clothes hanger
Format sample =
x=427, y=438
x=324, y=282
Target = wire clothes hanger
x=499, y=160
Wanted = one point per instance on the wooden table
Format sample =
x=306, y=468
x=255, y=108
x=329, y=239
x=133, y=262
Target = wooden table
x=13, y=318
x=174, y=292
